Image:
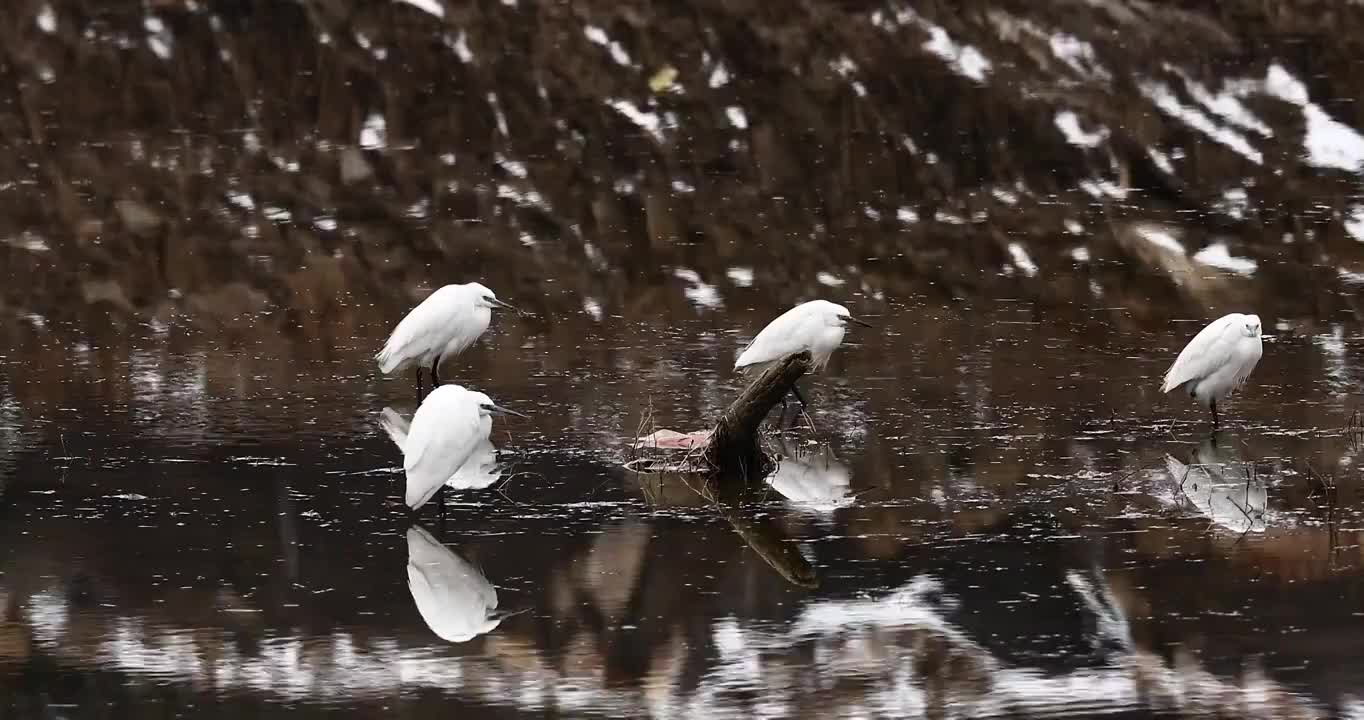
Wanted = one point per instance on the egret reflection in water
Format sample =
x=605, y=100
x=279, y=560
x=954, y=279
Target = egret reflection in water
x=815, y=481
x=1229, y=491
x=453, y=596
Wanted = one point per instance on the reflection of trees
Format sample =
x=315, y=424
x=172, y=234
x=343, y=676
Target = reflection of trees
x=231, y=172
x=896, y=652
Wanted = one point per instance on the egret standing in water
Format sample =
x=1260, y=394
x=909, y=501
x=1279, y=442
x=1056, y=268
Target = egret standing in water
x=478, y=472
x=1217, y=360
x=445, y=442
x=445, y=323
x=816, y=326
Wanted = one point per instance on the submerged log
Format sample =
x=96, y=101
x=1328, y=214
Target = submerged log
x=734, y=451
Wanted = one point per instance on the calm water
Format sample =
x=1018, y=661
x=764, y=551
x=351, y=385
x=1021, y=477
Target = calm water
x=212, y=212
x=991, y=510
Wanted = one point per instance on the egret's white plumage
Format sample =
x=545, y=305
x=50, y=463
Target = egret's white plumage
x=478, y=472
x=1217, y=360
x=817, y=326
x=448, y=443
x=445, y=323
x=454, y=598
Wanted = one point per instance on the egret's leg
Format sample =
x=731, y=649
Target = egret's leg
x=803, y=408
x=781, y=416
x=1213, y=405
x=435, y=374
x=795, y=417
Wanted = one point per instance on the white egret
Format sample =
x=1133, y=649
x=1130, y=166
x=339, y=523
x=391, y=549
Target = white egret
x=448, y=443
x=444, y=324
x=454, y=598
x=1217, y=360
x=478, y=472
x=816, y=326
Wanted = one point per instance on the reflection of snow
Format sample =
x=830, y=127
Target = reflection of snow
x=460, y=44
x=1161, y=238
x=1224, y=104
x=159, y=38
x=430, y=6
x=1021, y=259
x=647, y=121
x=1078, y=54
x=598, y=36
x=1329, y=144
x=1069, y=125
x=829, y=279
x=1333, y=347
x=700, y=293
x=736, y=116
x=374, y=133
x=1167, y=102
x=1161, y=160
x=719, y=76
x=965, y=60
x=1354, y=222
x=1216, y=255
x=47, y=19
x=1100, y=188
x=741, y=276
x=1234, y=203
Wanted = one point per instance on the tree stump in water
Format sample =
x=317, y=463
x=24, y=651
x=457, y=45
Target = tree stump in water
x=734, y=451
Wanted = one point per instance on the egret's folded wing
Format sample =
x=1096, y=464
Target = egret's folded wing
x=421, y=329
x=1210, y=349
x=783, y=336
x=444, y=432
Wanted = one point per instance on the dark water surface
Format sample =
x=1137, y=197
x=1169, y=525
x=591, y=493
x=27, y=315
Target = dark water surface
x=213, y=211
x=194, y=528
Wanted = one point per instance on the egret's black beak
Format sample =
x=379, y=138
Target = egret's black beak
x=507, y=306
x=859, y=322
x=498, y=409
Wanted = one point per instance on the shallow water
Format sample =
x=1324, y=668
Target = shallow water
x=212, y=212
x=993, y=522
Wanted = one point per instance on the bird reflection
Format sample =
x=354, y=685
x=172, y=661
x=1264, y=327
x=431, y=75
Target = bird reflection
x=481, y=469
x=454, y=598
x=812, y=481
x=1230, y=492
